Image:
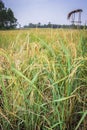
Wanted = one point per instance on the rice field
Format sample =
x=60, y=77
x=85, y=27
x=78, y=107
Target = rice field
x=43, y=79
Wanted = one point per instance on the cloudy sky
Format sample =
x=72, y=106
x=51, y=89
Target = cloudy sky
x=55, y=11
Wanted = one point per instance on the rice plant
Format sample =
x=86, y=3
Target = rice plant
x=43, y=79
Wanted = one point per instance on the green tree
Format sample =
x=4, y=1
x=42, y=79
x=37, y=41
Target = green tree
x=1, y=5
x=3, y=18
x=12, y=21
x=7, y=19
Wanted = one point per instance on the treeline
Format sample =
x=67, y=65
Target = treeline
x=49, y=25
x=7, y=19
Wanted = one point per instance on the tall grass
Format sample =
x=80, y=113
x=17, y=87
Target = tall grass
x=43, y=79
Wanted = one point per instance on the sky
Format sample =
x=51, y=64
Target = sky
x=44, y=11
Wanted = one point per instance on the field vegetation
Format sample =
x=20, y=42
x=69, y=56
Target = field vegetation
x=43, y=79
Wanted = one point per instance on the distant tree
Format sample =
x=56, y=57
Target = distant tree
x=39, y=25
x=49, y=25
x=7, y=19
x=31, y=25
x=54, y=26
